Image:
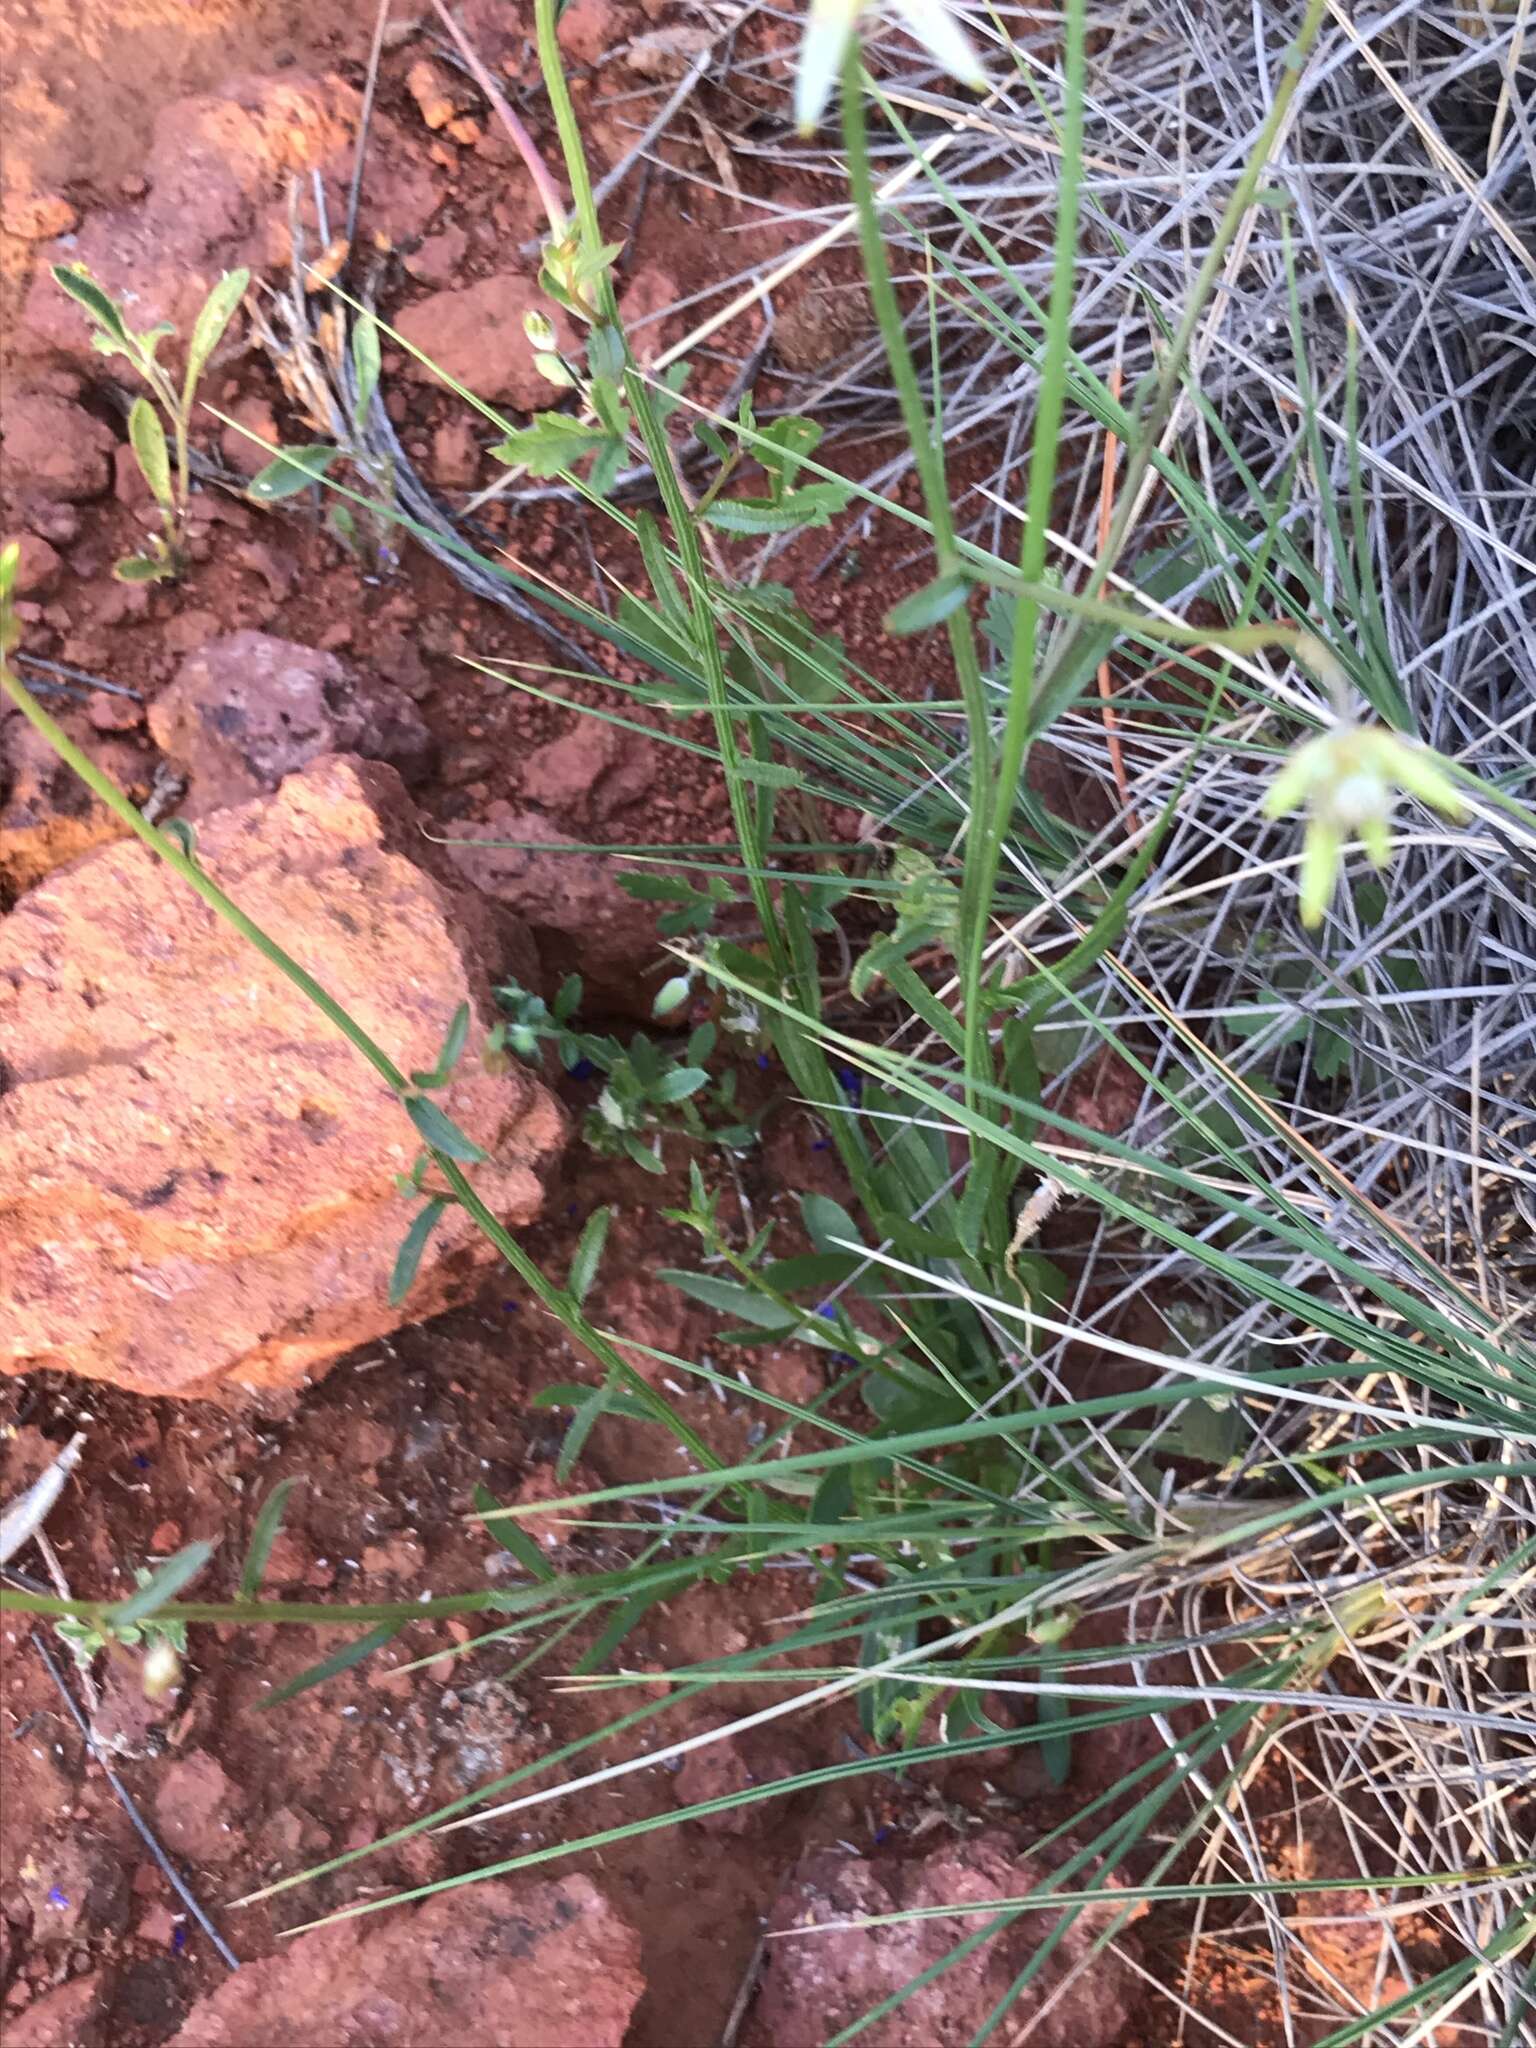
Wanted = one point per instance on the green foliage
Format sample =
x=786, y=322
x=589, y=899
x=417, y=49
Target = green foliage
x=85, y=1640
x=170, y=482
x=649, y=1092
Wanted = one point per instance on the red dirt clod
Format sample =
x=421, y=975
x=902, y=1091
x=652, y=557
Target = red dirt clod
x=546, y=1963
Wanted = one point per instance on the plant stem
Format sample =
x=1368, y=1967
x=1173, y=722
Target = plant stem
x=928, y=459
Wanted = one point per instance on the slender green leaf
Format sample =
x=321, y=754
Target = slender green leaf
x=440, y=1131
x=344, y=1659
x=589, y=1252
x=175, y=1573
x=412, y=1245
x=208, y=330
x=263, y=1536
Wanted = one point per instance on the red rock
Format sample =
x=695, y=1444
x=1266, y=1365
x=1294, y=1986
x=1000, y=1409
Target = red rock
x=196, y=1805
x=248, y=709
x=475, y=338
x=38, y=567
x=585, y=923
x=196, y=1171
x=243, y=455
x=726, y=1769
x=455, y=454
x=66, y=2018
x=47, y=815
x=74, y=1882
x=546, y=1964
x=108, y=712
x=440, y=259
x=591, y=29
x=53, y=449
x=127, y=1722
x=813, y=1988
x=37, y=216
x=438, y=95
x=562, y=776
x=217, y=179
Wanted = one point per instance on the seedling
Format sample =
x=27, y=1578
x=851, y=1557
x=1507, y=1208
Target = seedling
x=170, y=483
x=162, y=1639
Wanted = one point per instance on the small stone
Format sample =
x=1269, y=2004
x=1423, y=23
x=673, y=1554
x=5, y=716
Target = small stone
x=435, y=92
x=38, y=217
x=243, y=455
x=455, y=454
x=248, y=709
x=195, y=1803
x=111, y=713
x=38, y=566
x=440, y=259
x=475, y=337
x=590, y=29
x=562, y=776
x=53, y=449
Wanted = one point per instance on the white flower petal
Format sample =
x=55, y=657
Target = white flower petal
x=828, y=28
x=942, y=37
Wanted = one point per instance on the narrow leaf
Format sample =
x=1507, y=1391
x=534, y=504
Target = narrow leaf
x=365, y=362
x=448, y=1055
x=290, y=471
x=515, y=1541
x=218, y=310
x=175, y=1573
x=331, y=1667
x=263, y=1536
x=82, y=287
x=412, y=1245
x=589, y=1251
x=930, y=605
x=440, y=1131
x=150, y=451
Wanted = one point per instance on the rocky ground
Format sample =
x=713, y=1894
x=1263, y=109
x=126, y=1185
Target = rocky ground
x=197, y=1201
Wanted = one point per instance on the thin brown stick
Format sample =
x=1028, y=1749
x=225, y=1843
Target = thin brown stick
x=1106, y=683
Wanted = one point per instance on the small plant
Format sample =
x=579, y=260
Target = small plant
x=162, y=1638
x=170, y=482
x=649, y=1093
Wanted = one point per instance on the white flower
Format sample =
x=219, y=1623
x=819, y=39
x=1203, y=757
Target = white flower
x=1348, y=779
x=830, y=27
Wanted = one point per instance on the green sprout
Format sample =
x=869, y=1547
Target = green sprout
x=164, y=557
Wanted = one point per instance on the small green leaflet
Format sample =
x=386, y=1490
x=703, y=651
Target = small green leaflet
x=290, y=471
x=208, y=332
x=412, y=1245
x=440, y=1131
x=516, y=1542
x=365, y=363
x=147, y=436
x=263, y=1536
x=448, y=1057
x=589, y=1252
x=672, y=995
x=144, y=569
x=175, y=1573
x=555, y=442
x=83, y=288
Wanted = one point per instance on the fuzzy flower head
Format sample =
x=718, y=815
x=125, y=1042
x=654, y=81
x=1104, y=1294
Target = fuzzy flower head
x=1349, y=779
x=830, y=27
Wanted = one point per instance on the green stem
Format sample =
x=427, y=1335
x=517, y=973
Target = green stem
x=928, y=458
